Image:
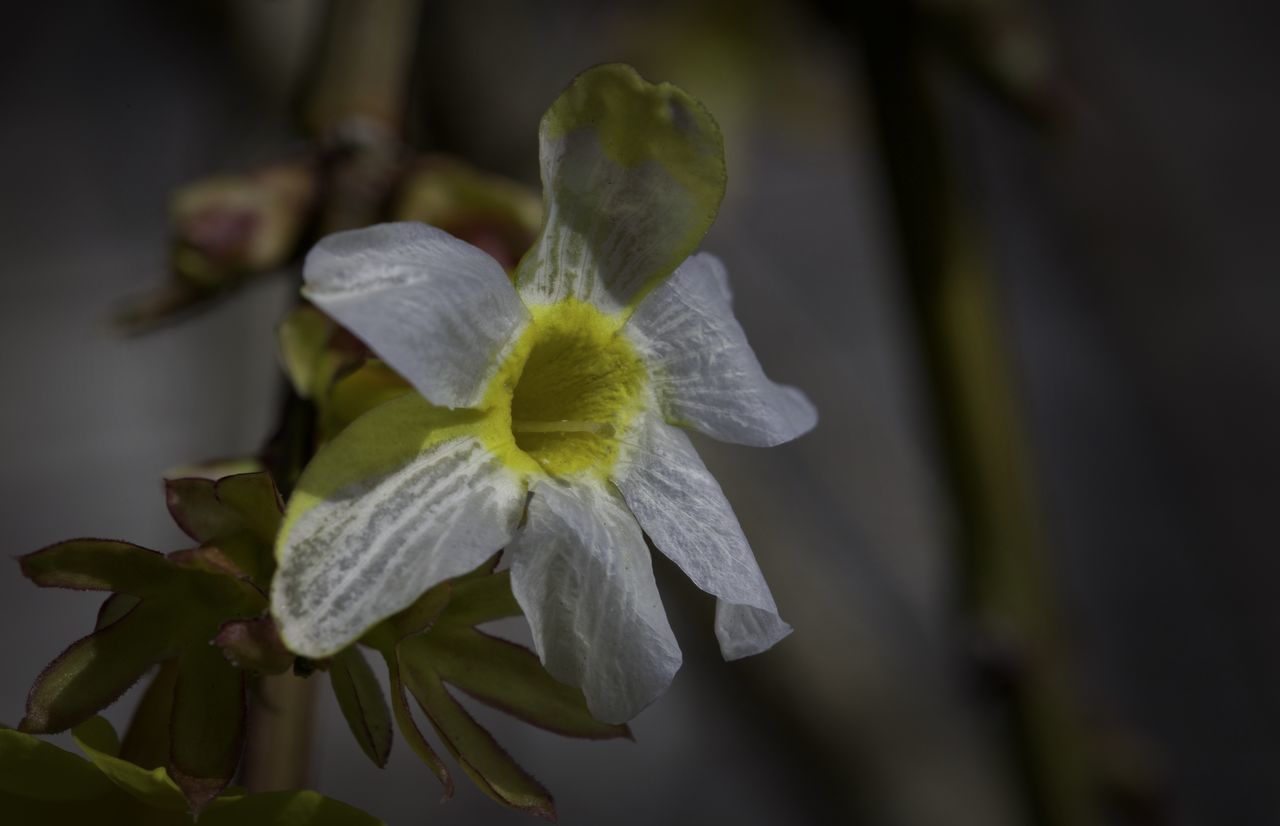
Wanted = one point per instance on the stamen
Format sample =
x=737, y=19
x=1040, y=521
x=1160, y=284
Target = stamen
x=562, y=426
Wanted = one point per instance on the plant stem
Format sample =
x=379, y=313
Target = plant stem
x=356, y=100
x=278, y=745
x=1004, y=586
x=278, y=748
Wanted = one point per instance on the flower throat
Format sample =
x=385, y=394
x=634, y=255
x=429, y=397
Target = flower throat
x=578, y=387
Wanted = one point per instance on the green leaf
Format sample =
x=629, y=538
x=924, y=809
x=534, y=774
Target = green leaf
x=409, y=728
x=289, y=808
x=97, y=740
x=146, y=740
x=98, y=734
x=362, y=703
x=43, y=784
x=507, y=677
x=302, y=341
x=254, y=645
x=98, y=565
x=434, y=641
x=206, y=729
x=32, y=768
x=423, y=612
x=355, y=393
x=189, y=596
x=97, y=669
x=119, y=810
x=480, y=599
x=480, y=756
x=113, y=608
x=239, y=514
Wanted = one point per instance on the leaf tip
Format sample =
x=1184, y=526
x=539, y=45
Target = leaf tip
x=199, y=791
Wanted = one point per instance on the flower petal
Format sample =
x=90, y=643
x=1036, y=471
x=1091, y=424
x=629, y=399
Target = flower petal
x=438, y=310
x=404, y=498
x=705, y=373
x=632, y=177
x=582, y=574
x=679, y=504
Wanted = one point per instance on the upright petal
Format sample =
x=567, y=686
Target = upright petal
x=705, y=373
x=583, y=577
x=406, y=497
x=680, y=505
x=632, y=178
x=438, y=310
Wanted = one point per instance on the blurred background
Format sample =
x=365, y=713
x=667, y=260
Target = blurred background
x=1022, y=256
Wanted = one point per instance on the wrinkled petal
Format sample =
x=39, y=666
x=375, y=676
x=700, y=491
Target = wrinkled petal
x=632, y=177
x=680, y=505
x=438, y=310
x=406, y=497
x=745, y=630
x=704, y=372
x=583, y=577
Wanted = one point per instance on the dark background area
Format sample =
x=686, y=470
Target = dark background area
x=1135, y=249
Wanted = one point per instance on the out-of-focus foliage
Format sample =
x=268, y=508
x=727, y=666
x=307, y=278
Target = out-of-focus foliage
x=41, y=783
x=230, y=228
x=227, y=228
x=493, y=213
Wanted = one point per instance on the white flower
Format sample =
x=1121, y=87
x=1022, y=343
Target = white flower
x=543, y=421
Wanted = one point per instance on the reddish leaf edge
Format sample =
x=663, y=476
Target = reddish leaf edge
x=24, y=564
x=38, y=724
x=402, y=713
x=199, y=790
x=171, y=496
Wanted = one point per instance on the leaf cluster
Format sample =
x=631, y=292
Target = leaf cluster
x=433, y=650
x=167, y=610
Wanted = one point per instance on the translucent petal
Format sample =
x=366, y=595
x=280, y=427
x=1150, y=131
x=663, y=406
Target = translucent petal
x=404, y=498
x=704, y=372
x=438, y=310
x=582, y=574
x=680, y=505
x=632, y=177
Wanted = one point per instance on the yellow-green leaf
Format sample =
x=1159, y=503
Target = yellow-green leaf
x=98, y=741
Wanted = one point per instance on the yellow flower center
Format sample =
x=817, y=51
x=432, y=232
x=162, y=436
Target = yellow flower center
x=567, y=391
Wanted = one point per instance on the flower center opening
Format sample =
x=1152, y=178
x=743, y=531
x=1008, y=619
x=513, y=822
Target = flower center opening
x=576, y=391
